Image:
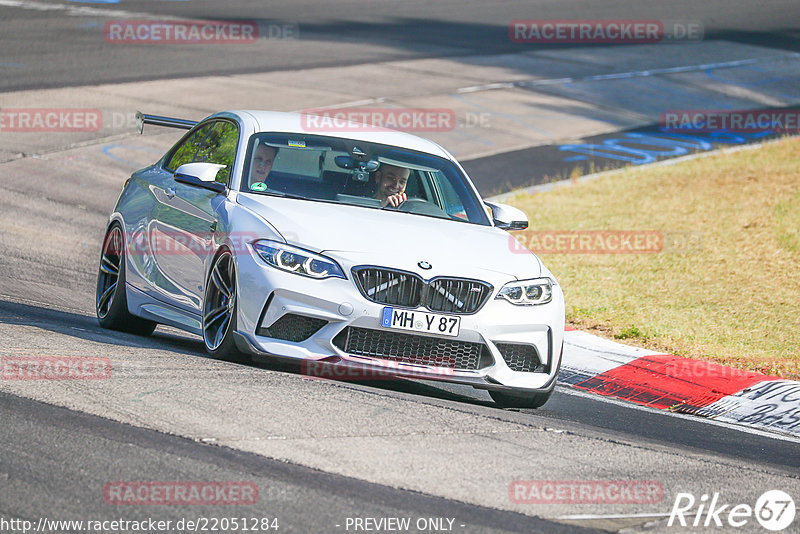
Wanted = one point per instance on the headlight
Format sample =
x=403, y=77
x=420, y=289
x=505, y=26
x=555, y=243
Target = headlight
x=528, y=292
x=296, y=260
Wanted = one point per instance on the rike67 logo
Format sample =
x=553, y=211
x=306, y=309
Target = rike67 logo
x=774, y=510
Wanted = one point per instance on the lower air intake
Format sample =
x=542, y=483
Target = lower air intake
x=524, y=358
x=410, y=348
x=293, y=327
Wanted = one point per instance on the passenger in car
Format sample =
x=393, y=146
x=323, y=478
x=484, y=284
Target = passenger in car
x=263, y=157
x=390, y=184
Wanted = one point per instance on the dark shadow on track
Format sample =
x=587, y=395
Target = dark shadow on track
x=619, y=419
x=400, y=385
x=86, y=328
x=87, y=452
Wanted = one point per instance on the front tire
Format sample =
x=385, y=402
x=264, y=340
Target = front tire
x=219, y=310
x=527, y=400
x=111, y=303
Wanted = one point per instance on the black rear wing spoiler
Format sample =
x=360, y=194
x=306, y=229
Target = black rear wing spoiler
x=169, y=122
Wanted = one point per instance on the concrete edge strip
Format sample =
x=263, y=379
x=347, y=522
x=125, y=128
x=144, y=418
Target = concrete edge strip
x=680, y=385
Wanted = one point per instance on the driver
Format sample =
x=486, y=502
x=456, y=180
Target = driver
x=263, y=157
x=390, y=184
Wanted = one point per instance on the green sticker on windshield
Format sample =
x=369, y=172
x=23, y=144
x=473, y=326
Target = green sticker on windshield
x=258, y=186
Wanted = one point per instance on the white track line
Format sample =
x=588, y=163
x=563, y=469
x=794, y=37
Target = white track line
x=81, y=11
x=580, y=517
x=627, y=75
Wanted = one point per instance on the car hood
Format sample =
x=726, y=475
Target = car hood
x=356, y=235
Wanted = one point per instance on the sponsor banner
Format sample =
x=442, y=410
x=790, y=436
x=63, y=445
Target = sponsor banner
x=769, y=404
x=179, y=493
x=50, y=120
x=54, y=368
x=586, y=492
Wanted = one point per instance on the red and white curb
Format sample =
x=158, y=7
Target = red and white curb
x=680, y=385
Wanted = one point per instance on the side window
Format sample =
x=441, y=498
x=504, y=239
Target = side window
x=219, y=147
x=188, y=148
x=452, y=203
x=414, y=188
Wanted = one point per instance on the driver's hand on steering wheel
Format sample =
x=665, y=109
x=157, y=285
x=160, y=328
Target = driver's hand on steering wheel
x=395, y=200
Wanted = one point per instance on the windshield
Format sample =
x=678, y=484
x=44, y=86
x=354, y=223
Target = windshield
x=344, y=171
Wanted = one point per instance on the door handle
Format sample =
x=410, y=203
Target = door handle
x=170, y=192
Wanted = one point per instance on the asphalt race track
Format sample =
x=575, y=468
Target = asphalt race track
x=50, y=46
x=323, y=453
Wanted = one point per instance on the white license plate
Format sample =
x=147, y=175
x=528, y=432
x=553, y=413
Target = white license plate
x=417, y=321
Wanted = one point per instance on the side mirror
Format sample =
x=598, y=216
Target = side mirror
x=201, y=175
x=508, y=217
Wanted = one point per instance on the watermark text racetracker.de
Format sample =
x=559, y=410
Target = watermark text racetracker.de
x=54, y=368
x=729, y=120
x=603, y=242
x=379, y=119
x=690, y=369
x=603, y=31
x=68, y=119
x=586, y=492
x=180, y=493
x=388, y=370
x=50, y=120
x=170, y=32
x=169, y=242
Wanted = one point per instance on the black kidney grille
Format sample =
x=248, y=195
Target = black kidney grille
x=411, y=348
x=394, y=288
x=456, y=295
x=293, y=327
x=399, y=288
x=523, y=358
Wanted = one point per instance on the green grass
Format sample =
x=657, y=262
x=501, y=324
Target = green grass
x=787, y=218
x=726, y=286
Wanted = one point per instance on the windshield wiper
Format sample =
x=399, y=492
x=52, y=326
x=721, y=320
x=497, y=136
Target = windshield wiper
x=281, y=194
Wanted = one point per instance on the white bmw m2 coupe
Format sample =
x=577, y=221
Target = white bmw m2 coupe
x=272, y=241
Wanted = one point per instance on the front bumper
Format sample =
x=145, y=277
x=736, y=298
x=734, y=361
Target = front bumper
x=268, y=294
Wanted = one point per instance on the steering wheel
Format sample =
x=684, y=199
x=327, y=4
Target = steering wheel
x=421, y=206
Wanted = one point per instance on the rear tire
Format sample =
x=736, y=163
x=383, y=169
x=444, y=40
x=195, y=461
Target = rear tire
x=111, y=303
x=220, y=306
